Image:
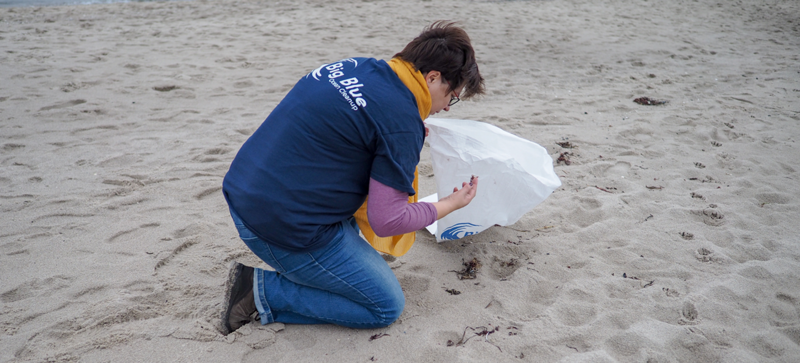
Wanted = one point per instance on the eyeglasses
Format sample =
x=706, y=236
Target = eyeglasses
x=453, y=100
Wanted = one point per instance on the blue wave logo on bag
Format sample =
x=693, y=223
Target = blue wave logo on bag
x=460, y=230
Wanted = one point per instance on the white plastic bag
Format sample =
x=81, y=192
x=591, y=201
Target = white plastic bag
x=514, y=174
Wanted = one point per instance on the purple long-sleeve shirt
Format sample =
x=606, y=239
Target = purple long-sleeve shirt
x=390, y=213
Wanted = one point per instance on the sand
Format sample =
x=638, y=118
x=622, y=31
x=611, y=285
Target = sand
x=672, y=239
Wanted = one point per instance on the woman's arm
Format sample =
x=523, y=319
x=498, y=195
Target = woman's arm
x=390, y=214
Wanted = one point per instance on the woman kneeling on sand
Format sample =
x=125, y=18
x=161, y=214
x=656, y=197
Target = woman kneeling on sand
x=347, y=130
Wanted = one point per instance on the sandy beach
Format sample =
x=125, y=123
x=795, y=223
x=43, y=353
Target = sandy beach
x=673, y=238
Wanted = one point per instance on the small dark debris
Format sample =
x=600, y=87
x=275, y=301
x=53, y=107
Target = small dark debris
x=378, y=336
x=510, y=263
x=470, y=269
x=481, y=331
x=686, y=235
x=648, y=218
x=565, y=144
x=649, y=101
x=625, y=276
x=564, y=158
x=453, y=291
x=486, y=331
x=655, y=187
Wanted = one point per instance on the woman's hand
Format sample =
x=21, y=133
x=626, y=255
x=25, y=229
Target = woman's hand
x=459, y=199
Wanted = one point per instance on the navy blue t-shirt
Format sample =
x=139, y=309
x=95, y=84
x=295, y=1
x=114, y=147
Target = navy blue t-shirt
x=308, y=166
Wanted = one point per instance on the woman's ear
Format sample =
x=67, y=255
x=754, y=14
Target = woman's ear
x=432, y=76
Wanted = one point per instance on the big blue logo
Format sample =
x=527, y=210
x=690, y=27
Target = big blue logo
x=459, y=230
x=351, y=89
x=334, y=68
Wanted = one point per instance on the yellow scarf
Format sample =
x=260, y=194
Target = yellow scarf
x=415, y=81
x=399, y=245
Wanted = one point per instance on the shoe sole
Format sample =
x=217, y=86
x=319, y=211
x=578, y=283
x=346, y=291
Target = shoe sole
x=233, y=273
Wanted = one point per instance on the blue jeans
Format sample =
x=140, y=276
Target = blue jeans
x=345, y=283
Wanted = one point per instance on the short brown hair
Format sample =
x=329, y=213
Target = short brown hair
x=446, y=48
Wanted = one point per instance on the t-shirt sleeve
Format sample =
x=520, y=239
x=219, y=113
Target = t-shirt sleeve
x=390, y=213
x=396, y=158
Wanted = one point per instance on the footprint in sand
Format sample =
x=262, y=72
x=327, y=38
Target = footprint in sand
x=414, y=285
x=688, y=313
x=627, y=344
x=11, y=147
x=576, y=314
x=772, y=198
x=704, y=255
x=165, y=88
x=127, y=232
x=620, y=169
x=757, y=273
x=63, y=105
x=710, y=216
x=502, y=268
x=793, y=333
x=36, y=287
x=243, y=84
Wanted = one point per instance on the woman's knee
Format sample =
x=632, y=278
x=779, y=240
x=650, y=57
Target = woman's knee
x=393, y=308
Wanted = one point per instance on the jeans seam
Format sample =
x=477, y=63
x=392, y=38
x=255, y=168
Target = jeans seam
x=269, y=249
x=382, y=314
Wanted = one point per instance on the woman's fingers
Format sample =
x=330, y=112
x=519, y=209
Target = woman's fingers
x=468, y=190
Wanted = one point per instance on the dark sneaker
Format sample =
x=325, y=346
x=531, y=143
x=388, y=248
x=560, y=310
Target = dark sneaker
x=240, y=304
